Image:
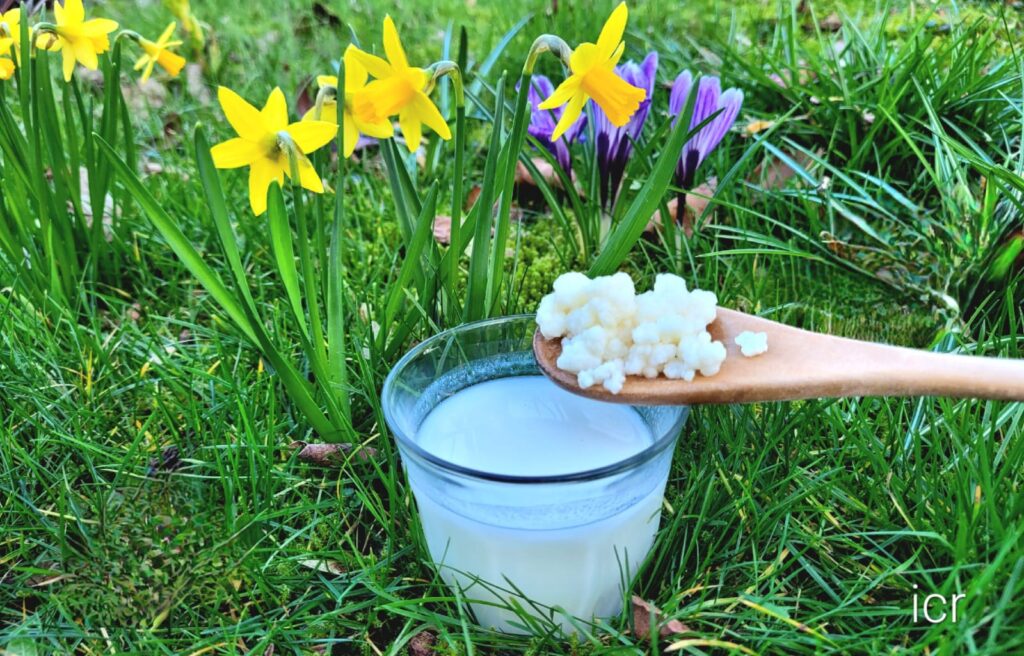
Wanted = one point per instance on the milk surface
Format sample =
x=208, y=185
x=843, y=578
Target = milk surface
x=527, y=426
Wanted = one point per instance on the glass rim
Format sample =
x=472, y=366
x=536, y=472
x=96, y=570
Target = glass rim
x=408, y=442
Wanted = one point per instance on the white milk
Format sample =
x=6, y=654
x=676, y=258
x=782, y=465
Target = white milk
x=526, y=425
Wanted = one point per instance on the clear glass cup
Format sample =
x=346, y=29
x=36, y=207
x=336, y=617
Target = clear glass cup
x=554, y=546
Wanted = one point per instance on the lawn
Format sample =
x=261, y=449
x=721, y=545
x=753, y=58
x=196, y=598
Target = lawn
x=152, y=406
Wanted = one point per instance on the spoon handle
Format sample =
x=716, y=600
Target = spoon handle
x=895, y=371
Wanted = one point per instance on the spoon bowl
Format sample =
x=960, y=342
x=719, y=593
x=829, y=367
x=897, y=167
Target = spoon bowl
x=801, y=364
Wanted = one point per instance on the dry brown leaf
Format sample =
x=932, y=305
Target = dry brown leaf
x=195, y=85
x=325, y=566
x=831, y=23
x=774, y=173
x=645, y=613
x=327, y=455
x=443, y=229
x=696, y=202
x=546, y=170
x=422, y=644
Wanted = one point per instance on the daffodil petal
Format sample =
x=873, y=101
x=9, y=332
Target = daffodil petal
x=68, y=53
x=308, y=177
x=585, y=57
x=165, y=36
x=263, y=172
x=98, y=27
x=350, y=136
x=563, y=94
x=242, y=116
x=616, y=97
x=611, y=33
x=376, y=66
x=569, y=115
x=393, y=45
x=235, y=153
x=171, y=62
x=328, y=113
x=149, y=70
x=327, y=80
x=429, y=114
x=382, y=129
x=86, y=54
x=356, y=74
x=275, y=112
x=72, y=12
x=310, y=136
x=6, y=68
x=412, y=128
x=141, y=63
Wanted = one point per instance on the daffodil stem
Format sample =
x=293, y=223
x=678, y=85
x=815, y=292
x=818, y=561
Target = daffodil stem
x=325, y=94
x=335, y=272
x=456, y=227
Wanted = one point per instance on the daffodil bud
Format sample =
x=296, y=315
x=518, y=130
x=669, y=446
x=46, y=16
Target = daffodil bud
x=546, y=43
x=451, y=69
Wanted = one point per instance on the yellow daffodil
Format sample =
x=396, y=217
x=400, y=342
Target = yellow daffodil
x=593, y=76
x=79, y=39
x=10, y=41
x=265, y=143
x=355, y=81
x=399, y=89
x=160, y=53
x=182, y=10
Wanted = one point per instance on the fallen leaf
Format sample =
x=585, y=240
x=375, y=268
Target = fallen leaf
x=831, y=23
x=422, y=644
x=107, y=211
x=546, y=170
x=327, y=455
x=774, y=173
x=757, y=126
x=325, y=566
x=195, y=85
x=644, y=614
x=443, y=229
x=696, y=202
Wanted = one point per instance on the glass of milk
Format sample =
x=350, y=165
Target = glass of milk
x=531, y=499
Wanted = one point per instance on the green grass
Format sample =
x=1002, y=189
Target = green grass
x=798, y=528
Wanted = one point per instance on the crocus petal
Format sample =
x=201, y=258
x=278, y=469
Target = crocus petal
x=234, y=153
x=393, y=45
x=310, y=136
x=412, y=128
x=376, y=66
x=430, y=115
x=729, y=102
x=275, y=112
x=242, y=116
x=611, y=33
x=261, y=174
x=565, y=92
x=569, y=116
x=680, y=93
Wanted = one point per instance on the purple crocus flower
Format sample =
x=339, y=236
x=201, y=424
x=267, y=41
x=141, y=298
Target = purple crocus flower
x=543, y=121
x=710, y=99
x=614, y=144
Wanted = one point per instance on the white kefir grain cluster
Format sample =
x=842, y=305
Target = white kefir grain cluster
x=609, y=332
x=752, y=343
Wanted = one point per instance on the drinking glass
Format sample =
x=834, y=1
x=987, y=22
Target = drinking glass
x=553, y=546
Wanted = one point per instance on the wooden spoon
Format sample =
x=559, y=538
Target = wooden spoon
x=803, y=365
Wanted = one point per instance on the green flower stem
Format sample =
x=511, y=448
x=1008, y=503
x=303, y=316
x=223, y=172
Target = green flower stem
x=325, y=94
x=337, y=368
x=451, y=69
